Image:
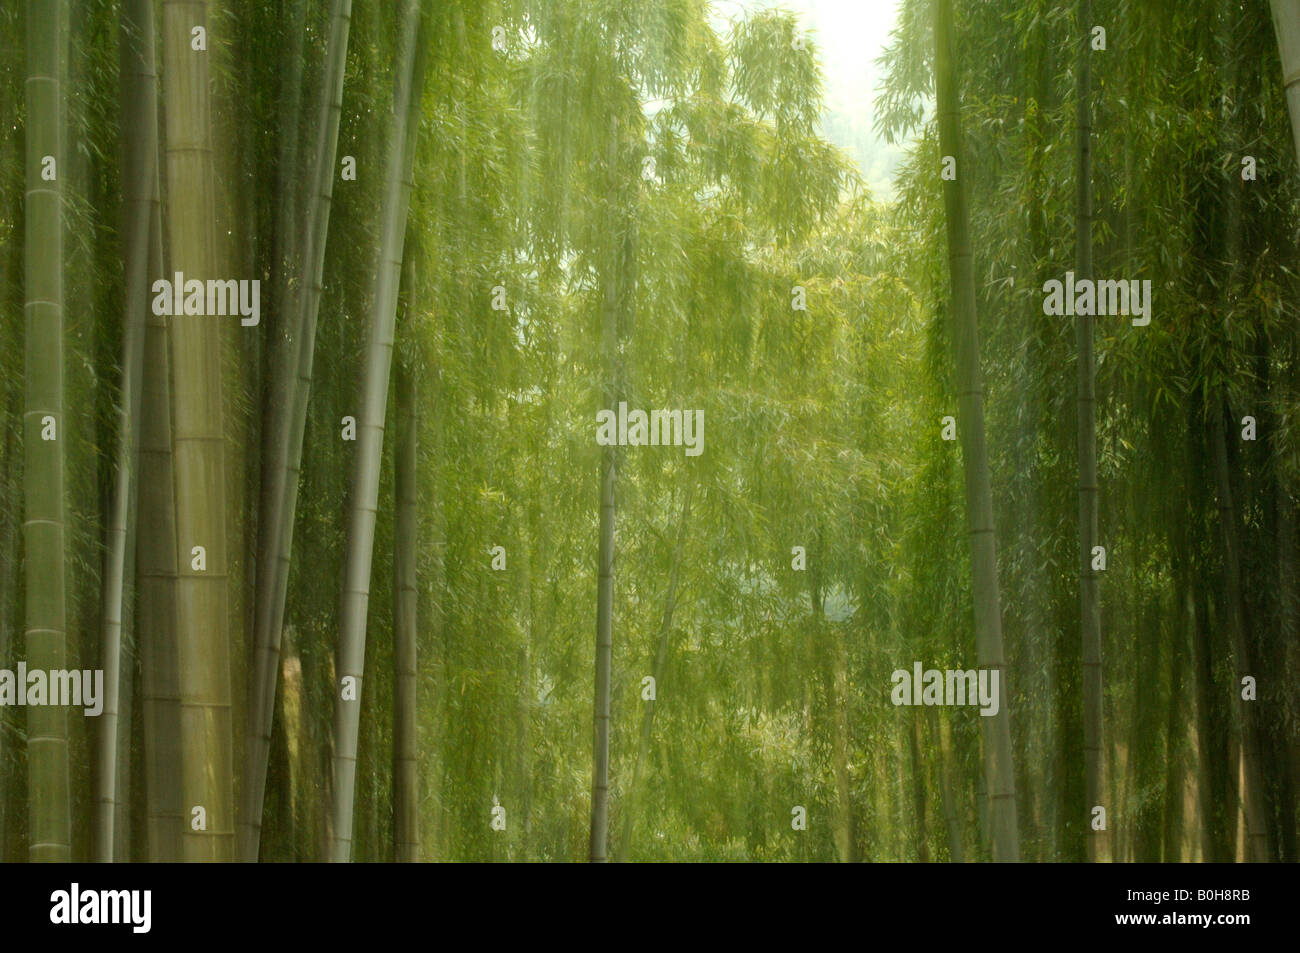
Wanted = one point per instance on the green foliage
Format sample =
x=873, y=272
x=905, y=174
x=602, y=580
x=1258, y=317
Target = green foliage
x=579, y=155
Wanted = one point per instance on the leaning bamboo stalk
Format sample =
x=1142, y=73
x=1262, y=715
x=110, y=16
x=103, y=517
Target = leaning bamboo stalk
x=350, y=665
x=140, y=158
x=286, y=263
x=286, y=444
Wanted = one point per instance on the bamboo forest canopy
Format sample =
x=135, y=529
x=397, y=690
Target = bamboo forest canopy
x=514, y=430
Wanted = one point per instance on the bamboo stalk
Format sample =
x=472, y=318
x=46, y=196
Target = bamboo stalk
x=660, y=663
x=406, y=829
x=979, y=498
x=139, y=173
x=198, y=440
x=44, y=434
x=1089, y=603
x=286, y=442
x=1286, y=21
x=370, y=427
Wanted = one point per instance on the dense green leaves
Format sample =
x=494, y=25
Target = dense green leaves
x=638, y=199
